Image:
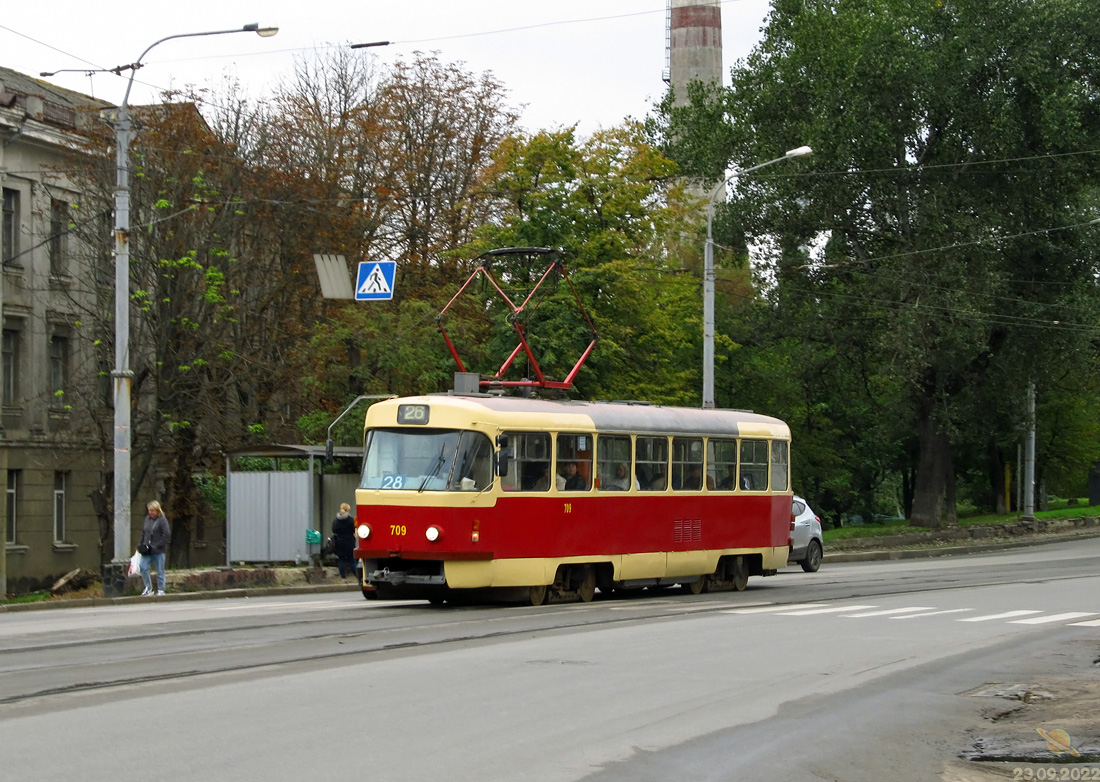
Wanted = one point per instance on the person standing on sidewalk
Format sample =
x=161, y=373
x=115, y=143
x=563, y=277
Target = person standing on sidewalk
x=155, y=533
x=343, y=540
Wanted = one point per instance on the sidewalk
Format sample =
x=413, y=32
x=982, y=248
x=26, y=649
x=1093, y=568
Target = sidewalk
x=210, y=584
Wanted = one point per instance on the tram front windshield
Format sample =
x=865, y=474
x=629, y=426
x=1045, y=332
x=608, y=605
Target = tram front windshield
x=427, y=460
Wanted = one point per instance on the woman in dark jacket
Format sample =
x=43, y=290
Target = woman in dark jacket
x=155, y=533
x=343, y=539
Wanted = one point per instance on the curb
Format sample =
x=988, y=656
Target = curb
x=177, y=597
x=947, y=551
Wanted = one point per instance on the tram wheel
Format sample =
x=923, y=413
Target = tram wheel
x=740, y=574
x=694, y=587
x=586, y=589
x=537, y=595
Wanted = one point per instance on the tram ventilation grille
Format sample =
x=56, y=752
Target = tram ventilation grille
x=687, y=530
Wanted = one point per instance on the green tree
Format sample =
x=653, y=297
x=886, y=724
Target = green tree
x=611, y=203
x=398, y=159
x=942, y=235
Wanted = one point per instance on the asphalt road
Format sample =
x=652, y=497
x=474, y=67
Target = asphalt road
x=853, y=673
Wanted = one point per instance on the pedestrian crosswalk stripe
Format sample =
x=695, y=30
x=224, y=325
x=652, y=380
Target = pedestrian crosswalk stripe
x=1005, y=615
x=1033, y=616
x=1039, y=620
x=772, y=608
x=887, y=612
x=935, y=613
x=832, y=610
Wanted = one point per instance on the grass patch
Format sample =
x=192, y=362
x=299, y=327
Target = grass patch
x=1060, y=509
x=33, y=597
x=892, y=527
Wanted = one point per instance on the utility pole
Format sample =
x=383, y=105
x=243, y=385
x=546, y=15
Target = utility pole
x=115, y=576
x=1028, y=513
x=708, y=272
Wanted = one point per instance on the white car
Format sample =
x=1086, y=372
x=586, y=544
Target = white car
x=807, y=545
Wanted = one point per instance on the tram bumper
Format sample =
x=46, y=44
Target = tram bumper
x=401, y=577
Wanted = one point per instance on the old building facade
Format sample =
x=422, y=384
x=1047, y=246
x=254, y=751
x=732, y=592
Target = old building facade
x=56, y=408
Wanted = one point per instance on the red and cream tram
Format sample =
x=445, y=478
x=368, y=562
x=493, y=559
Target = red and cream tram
x=536, y=499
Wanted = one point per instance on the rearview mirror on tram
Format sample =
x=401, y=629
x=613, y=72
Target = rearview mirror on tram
x=504, y=456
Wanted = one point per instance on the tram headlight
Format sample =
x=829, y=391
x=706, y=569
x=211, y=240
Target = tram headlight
x=432, y=533
x=363, y=531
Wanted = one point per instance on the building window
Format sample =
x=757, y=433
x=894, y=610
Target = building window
x=59, y=507
x=9, y=235
x=59, y=365
x=11, y=504
x=59, y=237
x=9, y=367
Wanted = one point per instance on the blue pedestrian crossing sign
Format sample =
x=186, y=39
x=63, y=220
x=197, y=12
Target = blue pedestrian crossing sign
x=375, y=280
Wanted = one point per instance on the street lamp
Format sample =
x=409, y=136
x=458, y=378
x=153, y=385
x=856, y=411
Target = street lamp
x=708, y=274
x=122, y=374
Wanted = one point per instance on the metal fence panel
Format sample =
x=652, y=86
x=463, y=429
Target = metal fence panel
x=247, y=538
x=336, y=488
x=269, y=513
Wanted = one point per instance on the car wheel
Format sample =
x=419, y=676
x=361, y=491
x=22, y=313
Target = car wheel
x=813, y=557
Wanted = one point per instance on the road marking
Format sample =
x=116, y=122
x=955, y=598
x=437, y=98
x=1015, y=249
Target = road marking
x=1090, y=623
x=887, y=612
x=642, y=605
x=833, y=610
x=1005, y=615
x=1039, y=620
x=771, y=608
x=254, y=605
x=935, y=613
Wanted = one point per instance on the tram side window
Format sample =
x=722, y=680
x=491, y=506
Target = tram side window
x=530, y=467
x=575, y=462
x=613, y=463
x=779, y=465
x=651, y=468
x=722, y=463
x=687, y=463
x=754, y=465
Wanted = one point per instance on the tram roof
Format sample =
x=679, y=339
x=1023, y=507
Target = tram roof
x=609, y=416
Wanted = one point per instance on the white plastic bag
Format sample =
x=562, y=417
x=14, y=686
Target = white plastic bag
x=135, y=564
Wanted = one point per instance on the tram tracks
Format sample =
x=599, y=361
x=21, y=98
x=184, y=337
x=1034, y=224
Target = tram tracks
x=48, y=669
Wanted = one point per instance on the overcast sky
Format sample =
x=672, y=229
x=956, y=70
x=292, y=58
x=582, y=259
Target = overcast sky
x=591, y=62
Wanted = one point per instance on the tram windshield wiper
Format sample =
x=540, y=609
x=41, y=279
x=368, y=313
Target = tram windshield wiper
x=439, y=462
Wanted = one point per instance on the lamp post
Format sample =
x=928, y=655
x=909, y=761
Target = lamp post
x=122, y=375
x=708, y=274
